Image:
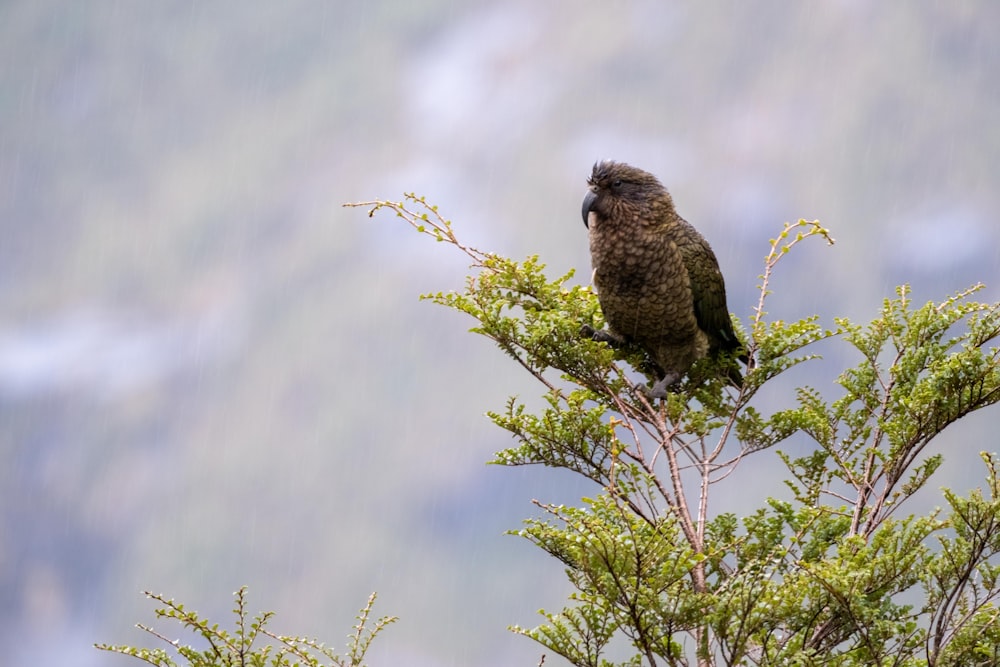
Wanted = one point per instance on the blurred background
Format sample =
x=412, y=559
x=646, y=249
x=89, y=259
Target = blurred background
x=212, y=374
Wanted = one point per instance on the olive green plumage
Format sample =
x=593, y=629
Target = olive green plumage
x=657, y=279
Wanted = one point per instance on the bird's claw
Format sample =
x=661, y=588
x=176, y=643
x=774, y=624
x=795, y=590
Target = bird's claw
x=601, y=336
x=661, y=387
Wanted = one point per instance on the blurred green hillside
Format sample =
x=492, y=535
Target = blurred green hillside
x=212, y=374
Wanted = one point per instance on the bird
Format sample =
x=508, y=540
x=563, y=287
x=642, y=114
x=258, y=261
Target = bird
x=657, y=280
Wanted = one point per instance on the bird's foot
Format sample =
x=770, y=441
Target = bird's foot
x=661, y=387
x=601, y=336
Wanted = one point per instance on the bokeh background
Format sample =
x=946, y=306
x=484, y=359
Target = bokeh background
x=212, y=374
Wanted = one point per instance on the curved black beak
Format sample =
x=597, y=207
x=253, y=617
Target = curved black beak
x=588, y=203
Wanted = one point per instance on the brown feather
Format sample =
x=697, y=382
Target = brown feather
x=657, y=279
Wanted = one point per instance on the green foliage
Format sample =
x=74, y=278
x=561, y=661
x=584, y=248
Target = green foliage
x=236, y=648
x=830, y=577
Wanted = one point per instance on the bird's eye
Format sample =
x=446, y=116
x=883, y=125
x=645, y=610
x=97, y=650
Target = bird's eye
x=617, y=183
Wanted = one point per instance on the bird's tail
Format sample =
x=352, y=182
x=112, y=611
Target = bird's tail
x=730, y=366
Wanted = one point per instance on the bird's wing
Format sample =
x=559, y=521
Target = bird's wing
x=708, y=290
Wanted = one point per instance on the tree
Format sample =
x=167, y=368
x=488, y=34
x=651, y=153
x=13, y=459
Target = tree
x=241, y=648
x=817, y=579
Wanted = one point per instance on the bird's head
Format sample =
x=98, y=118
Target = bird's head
x=615, y=184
